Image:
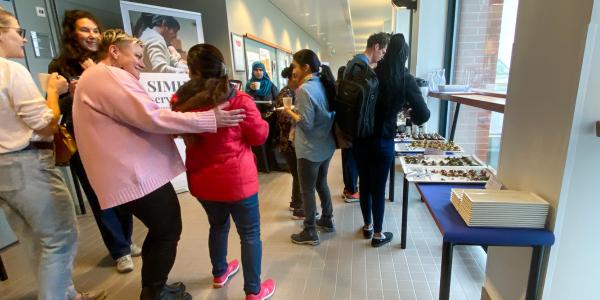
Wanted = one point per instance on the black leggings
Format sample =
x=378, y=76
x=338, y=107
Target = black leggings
x=161, y=213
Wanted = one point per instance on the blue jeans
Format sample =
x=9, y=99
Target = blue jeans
x=246, y=216
x=40, y=211
x=349, y=170
x=115, y=225
x=374, y=158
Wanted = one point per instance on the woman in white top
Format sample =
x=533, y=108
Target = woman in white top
x=32, y=191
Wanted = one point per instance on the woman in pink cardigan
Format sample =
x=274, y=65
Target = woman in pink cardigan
x=126, y=145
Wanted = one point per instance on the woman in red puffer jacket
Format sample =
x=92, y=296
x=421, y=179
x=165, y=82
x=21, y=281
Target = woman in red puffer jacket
x=221, y=168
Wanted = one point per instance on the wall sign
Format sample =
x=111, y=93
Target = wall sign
x=40, y=11
x=237, y=44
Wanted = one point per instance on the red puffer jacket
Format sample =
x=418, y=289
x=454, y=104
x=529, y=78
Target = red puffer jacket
x=221, y=166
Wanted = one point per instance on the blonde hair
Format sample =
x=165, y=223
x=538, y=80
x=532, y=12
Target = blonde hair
x=116, y=37
x=5, y=17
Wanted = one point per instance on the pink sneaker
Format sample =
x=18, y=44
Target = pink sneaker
x=267, y=289
x=232, y=268
x=350, y=197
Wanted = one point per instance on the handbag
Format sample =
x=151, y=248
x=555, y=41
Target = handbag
x=64, y=146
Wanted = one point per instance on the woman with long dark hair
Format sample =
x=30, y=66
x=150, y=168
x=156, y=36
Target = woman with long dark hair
x=314, y=141
x=374, y=154
x=221, y=170
x=285, y=141
x=79, y=45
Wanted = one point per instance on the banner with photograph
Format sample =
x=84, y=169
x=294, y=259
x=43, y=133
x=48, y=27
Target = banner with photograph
x=167, y=35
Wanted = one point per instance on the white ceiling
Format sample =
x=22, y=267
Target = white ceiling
x=339, y=25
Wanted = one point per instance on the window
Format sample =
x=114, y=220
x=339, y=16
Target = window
x=482, y=52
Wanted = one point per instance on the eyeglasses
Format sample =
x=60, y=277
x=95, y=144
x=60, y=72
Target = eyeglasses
x=21, y=31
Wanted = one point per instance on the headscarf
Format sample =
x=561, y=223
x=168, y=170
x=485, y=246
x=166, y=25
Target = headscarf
x=265, y=81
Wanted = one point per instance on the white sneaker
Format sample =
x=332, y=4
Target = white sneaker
x=124, y=264
x=135, y=250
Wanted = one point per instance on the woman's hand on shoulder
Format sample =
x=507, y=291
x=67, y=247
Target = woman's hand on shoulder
x=228, y=118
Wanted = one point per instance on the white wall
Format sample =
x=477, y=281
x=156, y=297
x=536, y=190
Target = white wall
x=573, y=271
x=262, y=19
x=542, y=92
x=402, y=22
x=427, y=47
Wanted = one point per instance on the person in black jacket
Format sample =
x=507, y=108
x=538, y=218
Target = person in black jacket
x=79, y=45
x=374, y=155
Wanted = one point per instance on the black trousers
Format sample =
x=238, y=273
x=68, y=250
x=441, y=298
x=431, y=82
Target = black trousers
x=292, y=161
x=115, y=226
x=161, y=213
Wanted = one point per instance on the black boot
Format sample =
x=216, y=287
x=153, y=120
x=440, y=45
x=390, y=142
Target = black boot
x=164, y=292
x=175, y=288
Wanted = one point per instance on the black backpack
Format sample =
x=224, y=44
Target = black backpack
x=355, y=101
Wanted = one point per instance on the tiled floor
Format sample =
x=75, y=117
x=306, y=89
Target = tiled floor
x=344, y=266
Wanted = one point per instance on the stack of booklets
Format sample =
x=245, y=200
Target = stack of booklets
x=500, y=208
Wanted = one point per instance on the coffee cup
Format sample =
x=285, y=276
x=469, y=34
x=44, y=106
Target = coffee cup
x=43, y=79
x=256, y=85
x=287, y=102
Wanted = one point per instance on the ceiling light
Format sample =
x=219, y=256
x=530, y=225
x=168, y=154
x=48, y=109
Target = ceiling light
x=409, y=4
x=307, y=14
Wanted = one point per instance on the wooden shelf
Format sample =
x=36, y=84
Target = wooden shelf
x=488, y=101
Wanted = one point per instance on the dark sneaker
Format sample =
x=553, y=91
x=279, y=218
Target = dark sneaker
x=367, y=232
x=232, y=268
x=325, y=225
x=298, y=214
x=175, y=288
x=267, y=289
x=295, y=206
x=164, y=293
x=306, y=237
x=386, y=238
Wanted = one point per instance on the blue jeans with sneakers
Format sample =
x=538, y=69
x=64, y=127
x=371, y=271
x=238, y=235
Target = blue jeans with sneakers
x=246, y=216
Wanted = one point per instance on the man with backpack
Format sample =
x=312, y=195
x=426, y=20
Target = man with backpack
x=358, y=71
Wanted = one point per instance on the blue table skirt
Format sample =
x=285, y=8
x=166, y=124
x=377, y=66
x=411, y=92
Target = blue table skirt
x=456, y=231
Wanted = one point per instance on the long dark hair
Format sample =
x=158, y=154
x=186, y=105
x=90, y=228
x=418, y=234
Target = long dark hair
x=392, y=68
x=310, y=58
x=71, y=51
x=209, y=83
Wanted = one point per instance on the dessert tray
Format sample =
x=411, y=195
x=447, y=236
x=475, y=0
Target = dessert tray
x=438, y=174
x=422, y=145
x=407, y=138
x=441, y=160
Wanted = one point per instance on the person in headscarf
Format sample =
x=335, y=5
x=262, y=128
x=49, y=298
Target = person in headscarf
x=264, y=92
x=260, y=86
